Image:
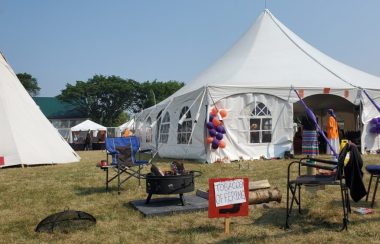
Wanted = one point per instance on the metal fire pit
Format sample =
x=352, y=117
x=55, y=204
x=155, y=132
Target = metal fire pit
x=170, y=184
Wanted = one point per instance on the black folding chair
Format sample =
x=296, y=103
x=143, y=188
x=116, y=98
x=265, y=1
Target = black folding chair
x=374, y=170
x=336, y=178
x=125, y=165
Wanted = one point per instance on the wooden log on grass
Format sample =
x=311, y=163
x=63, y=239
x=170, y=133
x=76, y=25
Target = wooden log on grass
x=257, y=185
x=264, y=196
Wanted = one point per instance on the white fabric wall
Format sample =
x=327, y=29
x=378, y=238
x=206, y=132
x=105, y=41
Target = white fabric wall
x=369, y=140
x=236, y=124
x=237, y=135
x=195, y=150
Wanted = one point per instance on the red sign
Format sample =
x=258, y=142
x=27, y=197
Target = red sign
x=227, y=197
x=1, y=160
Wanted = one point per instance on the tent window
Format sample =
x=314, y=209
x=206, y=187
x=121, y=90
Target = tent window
x=184, y=130
x=148, y=130
x=164, y=130
x=260, y=124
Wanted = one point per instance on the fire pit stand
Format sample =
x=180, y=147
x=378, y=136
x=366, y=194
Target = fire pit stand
x=170, y=184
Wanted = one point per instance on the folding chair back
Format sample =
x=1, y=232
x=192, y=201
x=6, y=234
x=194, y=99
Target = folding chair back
x=116, y=144
x=123, y=152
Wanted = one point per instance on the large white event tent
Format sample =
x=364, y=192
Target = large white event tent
x=256, y=81
x=27, y=136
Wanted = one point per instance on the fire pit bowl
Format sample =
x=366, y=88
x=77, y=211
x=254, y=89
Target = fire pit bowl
x=170, y=184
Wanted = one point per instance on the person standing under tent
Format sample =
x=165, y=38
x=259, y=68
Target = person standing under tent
x=332, y=132
x=127, y=133
x=309, y=137
x=309, y=141
x=87, y=141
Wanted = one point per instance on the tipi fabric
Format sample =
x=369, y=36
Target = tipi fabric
x=27, y=136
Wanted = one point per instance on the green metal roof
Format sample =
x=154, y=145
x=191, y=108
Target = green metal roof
x=53, y=108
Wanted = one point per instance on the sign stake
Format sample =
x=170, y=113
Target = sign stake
x=227, y=222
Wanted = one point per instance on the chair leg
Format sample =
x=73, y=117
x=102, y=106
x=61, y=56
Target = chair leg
x=139, y=175
x=118, y=180
x=287, y=208
x=369, y=188
x=106, y=179
x=343, y=190
x=374, y=192
x=292, y=188
x=299, y=199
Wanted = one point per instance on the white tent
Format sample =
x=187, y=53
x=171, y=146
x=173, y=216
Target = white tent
x=84, y=127
x=88, y=125
x=254, y=81
x=27, y=136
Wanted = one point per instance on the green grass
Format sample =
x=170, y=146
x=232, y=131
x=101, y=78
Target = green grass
x=27, y=195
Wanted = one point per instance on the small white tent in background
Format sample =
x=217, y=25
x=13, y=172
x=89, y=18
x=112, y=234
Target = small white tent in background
x=82, y=128
x=27, y=136
x=255, y=82
x=130, y=125
x=88, y=125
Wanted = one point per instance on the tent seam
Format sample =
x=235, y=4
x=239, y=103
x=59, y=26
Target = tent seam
x=309, y=55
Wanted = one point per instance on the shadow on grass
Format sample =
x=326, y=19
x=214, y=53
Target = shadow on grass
x=198, y=230
x=362, y=203
x=276, y=218
x=307, y=223
x=84, y=191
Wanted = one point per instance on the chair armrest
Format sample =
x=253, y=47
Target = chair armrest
x=313, y=162
x=319, y=166
x=319, y=160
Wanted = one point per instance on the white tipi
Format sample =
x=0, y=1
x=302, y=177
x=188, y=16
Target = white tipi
x=26, y=135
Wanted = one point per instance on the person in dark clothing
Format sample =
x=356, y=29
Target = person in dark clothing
x=87, y=141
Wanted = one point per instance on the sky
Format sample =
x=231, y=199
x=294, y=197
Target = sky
x=62, y=41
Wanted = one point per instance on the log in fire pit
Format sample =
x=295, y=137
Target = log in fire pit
x=170, y=184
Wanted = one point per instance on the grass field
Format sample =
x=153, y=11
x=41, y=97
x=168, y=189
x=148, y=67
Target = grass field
x=27, y=195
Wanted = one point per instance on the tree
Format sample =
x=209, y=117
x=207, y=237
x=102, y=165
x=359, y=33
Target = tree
x=102, y=98
x=151, y=93
x=30, y=83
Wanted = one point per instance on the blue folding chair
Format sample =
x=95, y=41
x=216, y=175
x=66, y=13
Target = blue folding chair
x=123, y=152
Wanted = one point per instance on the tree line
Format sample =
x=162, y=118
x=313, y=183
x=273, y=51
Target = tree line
x=109, y=100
